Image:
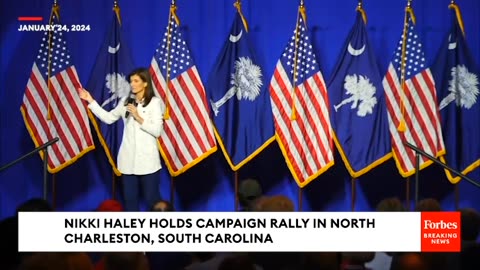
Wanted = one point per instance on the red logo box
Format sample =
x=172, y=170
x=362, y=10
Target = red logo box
x=441, y=232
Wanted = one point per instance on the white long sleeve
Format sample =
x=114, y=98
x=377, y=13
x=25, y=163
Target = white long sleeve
x=138, y=153
x=108, y=117
x=153, y=122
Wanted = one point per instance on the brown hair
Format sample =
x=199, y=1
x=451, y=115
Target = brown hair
x=278, y=203
x=428, y=205
x=144, y=74
x=390, y=205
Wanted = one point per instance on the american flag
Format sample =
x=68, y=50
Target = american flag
x=188, y=134
x=67, y=118
x=306, y=142
x=420, y=111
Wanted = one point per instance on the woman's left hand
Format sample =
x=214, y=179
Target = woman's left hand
x=133, y=110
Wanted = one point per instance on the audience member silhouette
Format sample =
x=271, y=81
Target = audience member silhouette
x=276, y=260
x=239, y=262
x=162, y=206
x=322, y=261
x=411, y=261
x=428, y=205
x=126, y=261
x=470, y=230
x=166, y=260
x=383, y=260
x=9, y=233
x=249, y=191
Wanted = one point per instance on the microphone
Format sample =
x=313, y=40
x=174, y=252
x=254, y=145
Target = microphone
x=130, y=100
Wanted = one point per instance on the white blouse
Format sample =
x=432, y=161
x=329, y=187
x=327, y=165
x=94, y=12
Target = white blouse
x=138, y=153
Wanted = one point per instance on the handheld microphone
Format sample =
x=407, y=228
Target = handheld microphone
x=130, y=100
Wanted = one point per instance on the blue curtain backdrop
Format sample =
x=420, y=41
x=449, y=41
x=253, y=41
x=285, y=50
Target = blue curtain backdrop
x=209, y=185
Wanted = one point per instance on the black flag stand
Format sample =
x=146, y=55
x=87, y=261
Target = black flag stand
x=419, y=152
x=43, y=148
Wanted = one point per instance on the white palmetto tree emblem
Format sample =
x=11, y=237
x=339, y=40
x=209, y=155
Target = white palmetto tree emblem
x=362, y=94
x=118, y=88
x=245, y=83
x=463, y=88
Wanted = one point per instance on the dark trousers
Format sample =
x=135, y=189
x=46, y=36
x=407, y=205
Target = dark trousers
x=149, y=183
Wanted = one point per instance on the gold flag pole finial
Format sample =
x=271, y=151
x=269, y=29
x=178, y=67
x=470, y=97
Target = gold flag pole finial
x=238, y=6
x=410, y=11
x=458, y=14
x=301, y=12
x=402, y=126
x=54, y=13
x=172, y=14
x=362, y=11
x=173, y=11
x=116, y=9
x=55, y=10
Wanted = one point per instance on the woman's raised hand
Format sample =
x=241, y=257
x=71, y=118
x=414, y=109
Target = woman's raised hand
x=85, y=95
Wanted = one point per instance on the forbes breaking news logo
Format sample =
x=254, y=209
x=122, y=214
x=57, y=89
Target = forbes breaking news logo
x=441, y=232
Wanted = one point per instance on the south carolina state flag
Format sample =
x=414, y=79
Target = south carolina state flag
x=456, y=77
x=108, y=84
x=357, y=102
x=239, y=99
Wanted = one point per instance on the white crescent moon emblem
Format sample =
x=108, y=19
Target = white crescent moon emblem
x=451, y=45
x=236, y=38
x=113, y=50
x=355, y=52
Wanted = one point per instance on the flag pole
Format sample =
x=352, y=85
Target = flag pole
x=114, y=179
x=301, y=12
x=166, y=116
x=362, y=11
x=238, y=6
x=172, y=190
x=293, y=117
x=54, y=190
x=407, y=194
x=402, y=127
x=300, y=199
x=236, y=190
x=45, y=173
x=54, y=12
x=116, y=9
x=172, y=13
x=457, y=196
x=353, y=180
x=458, y=15
x=354, y=193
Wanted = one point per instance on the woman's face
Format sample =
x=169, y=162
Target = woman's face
x=137, y=84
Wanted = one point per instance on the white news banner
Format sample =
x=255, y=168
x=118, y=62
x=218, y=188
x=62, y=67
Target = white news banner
x=219, y=231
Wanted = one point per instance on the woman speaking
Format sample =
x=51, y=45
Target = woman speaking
x=138, y=157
